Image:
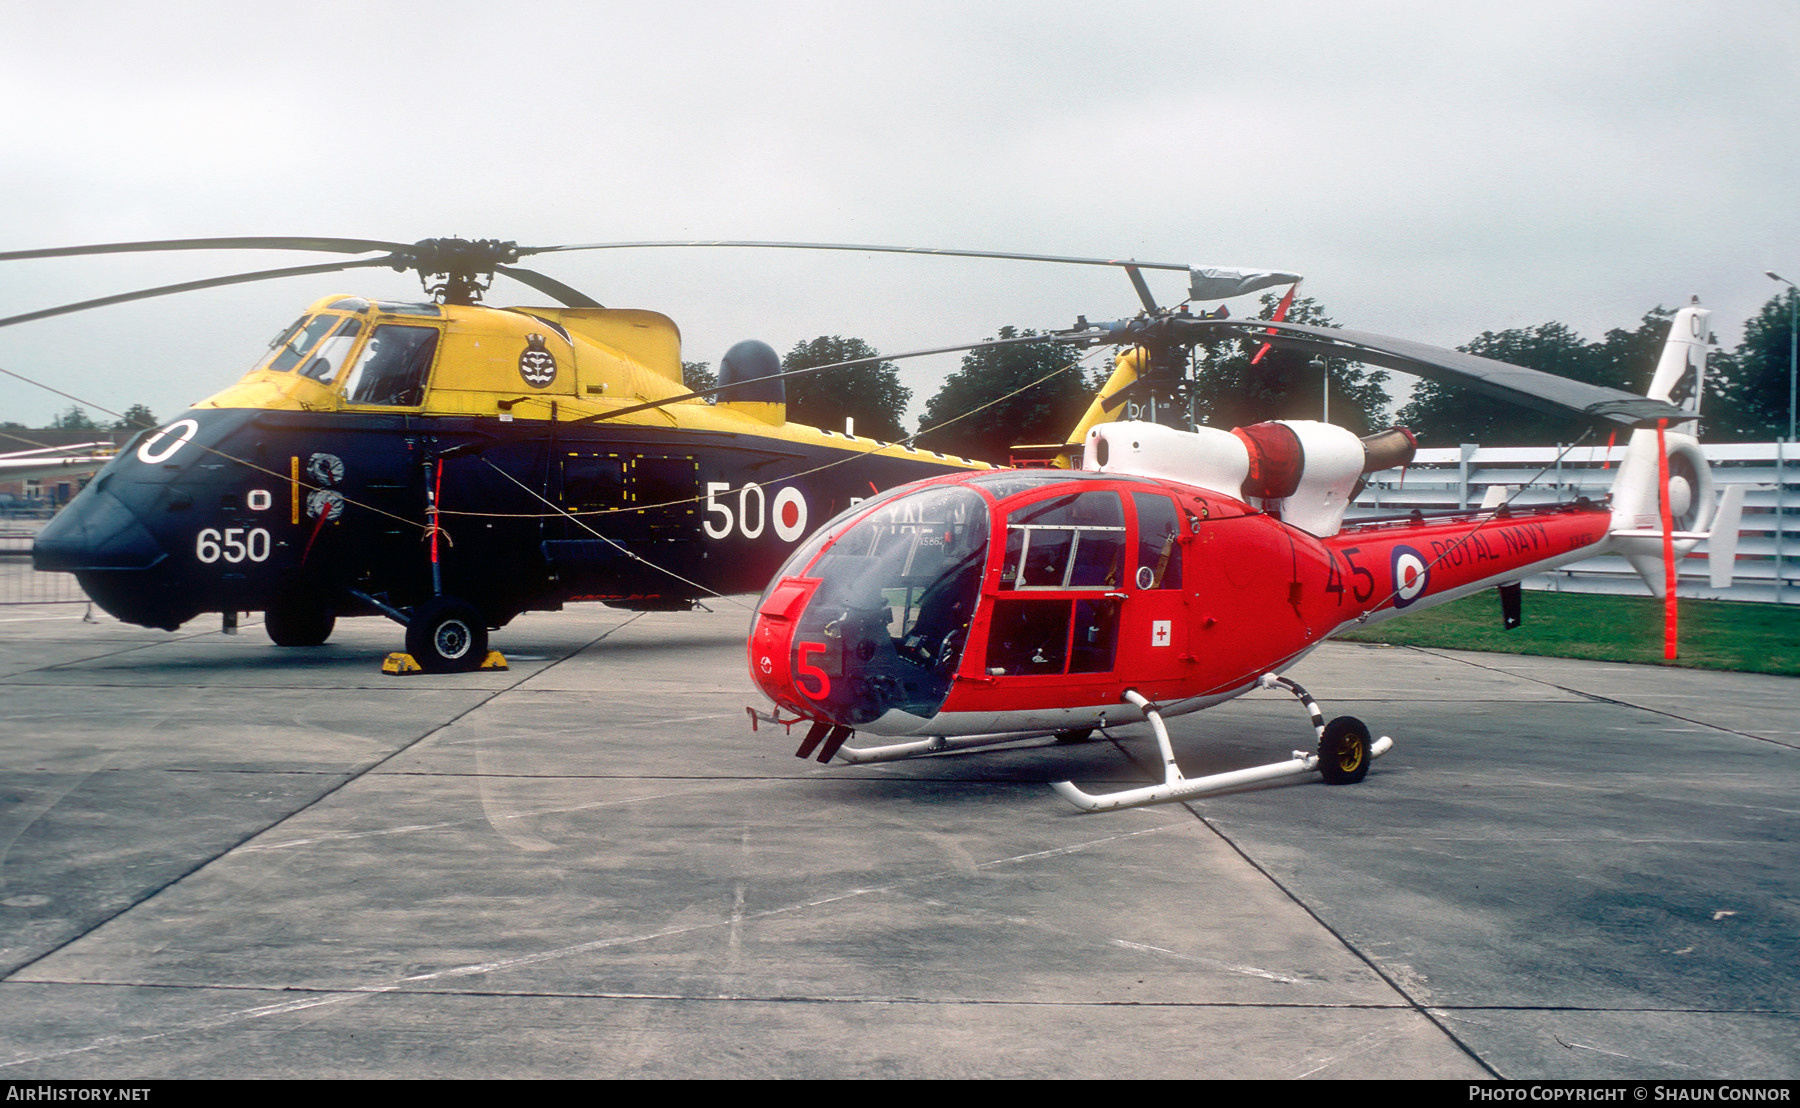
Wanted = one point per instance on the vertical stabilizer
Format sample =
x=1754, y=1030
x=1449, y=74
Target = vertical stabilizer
x=1104, y=408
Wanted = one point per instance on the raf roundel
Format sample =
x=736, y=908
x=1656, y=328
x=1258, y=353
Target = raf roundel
x=537, y=365
x=789, y=514
x=1411, y=575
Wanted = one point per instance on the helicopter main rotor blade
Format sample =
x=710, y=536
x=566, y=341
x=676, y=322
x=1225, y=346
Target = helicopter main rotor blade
x=191, y=286
x=701, y=393
x=1531, y=388
x=571, y=297
x=855, y=247
x=330, y=245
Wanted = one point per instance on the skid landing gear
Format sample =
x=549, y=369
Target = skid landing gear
x=1343, y=758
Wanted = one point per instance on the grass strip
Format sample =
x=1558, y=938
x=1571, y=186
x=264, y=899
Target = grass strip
x=1714, y=634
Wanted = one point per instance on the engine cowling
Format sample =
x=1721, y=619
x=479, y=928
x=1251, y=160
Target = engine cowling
x=1303, y=471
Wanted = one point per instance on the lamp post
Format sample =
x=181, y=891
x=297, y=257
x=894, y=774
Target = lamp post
x=1793, y=346
x=1780, y=461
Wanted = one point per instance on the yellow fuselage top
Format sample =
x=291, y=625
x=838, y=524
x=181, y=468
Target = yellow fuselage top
x=352, y=355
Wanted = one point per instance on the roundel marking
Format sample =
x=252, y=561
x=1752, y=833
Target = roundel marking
x=766, y=665
x=152, y=451
x=790, y=514
x=1411, y=575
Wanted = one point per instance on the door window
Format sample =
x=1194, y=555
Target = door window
x=1158, y=542
x=1071, y=543
x=1066, y=542
x=392, y=368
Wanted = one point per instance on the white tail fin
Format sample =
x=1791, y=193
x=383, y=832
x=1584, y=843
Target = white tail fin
x=1683, y=353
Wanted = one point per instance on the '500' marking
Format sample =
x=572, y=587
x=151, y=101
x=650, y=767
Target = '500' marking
x=234, y=544
x=788, y=516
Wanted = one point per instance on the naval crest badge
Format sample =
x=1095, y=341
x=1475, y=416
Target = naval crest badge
x=537, y=365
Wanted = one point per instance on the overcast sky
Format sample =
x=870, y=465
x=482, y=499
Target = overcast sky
x=1434, y=170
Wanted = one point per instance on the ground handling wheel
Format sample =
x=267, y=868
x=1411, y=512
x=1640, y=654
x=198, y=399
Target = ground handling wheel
x=299, y=618
x=1344, y=751
x=447, y=635
x=1075, y=735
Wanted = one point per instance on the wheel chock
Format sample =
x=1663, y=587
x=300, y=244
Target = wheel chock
x=399, y=664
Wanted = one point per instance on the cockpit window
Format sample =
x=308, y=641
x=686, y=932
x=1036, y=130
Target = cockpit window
x=293, y=344
x=392, y=367
x=901, y=558
x=329, y=357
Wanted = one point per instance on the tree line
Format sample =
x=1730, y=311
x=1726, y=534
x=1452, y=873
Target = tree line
x=76, y=418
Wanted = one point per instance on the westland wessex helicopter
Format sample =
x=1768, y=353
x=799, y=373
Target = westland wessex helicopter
x=1178, y=568
x=450, y=465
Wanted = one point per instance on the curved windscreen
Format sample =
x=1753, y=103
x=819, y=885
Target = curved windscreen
x=897, y=591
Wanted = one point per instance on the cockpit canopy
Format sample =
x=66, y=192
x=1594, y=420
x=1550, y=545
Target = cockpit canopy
x=348, y=352
x=391, y=367
x=899, y=584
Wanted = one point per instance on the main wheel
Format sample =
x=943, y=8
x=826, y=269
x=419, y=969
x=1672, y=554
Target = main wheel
x=1344, y=751
x=299, y=619
x=447, y=635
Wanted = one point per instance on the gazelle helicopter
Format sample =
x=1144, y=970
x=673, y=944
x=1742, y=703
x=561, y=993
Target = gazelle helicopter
x=1178, y=568
x=450, y=465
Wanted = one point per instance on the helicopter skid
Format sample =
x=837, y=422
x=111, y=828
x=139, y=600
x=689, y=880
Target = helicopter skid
x=937, y=744
x=1176, y=787
x=1182, y=788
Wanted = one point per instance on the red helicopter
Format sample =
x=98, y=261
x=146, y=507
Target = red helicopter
x=1176, y=569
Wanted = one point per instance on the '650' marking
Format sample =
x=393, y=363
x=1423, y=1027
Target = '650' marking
x=234, y=544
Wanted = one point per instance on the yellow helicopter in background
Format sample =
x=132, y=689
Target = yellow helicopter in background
x=450, y=465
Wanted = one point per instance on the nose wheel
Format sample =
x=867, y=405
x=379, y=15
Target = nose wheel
x=299, y=618
x=447, y=635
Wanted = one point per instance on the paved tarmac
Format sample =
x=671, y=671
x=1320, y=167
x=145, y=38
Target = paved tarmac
x=223, y=859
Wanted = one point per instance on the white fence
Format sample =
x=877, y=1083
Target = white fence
x=1768, y=561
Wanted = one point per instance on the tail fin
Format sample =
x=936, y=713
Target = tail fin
x=1105, y=409
x=1108, y=405
x=1637, y=529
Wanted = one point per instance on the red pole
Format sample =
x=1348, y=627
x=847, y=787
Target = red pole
x=1668, y=537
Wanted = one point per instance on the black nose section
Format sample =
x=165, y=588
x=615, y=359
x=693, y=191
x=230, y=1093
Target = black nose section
x=95, y=531
x=120, y=566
